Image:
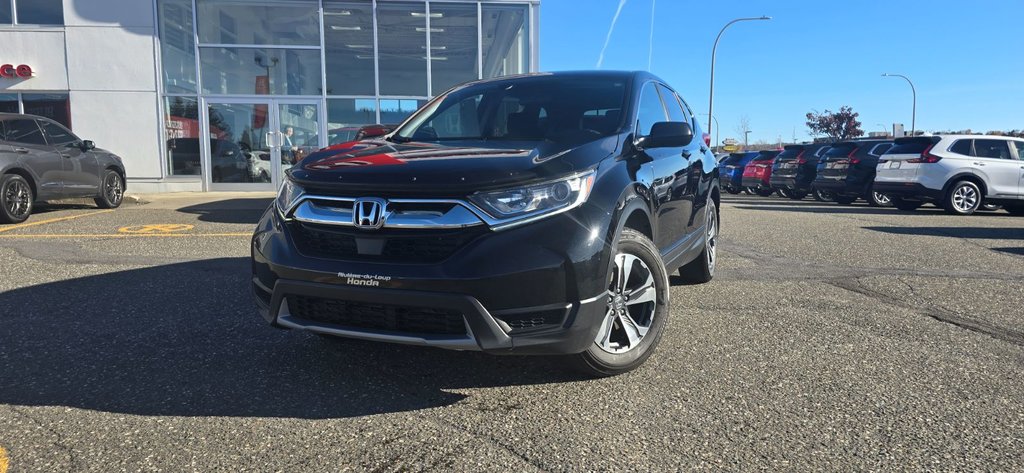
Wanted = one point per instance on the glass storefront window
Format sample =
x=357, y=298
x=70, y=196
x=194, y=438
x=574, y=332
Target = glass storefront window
x=56, y=107
x=505, y=41
x=40, y=12
x=247, y=71
x=348, y=37
x=181, y=134
x=5, y=12
x=394, y=111
x=345, y=116
x=177, y=46
x=402, y=39
x=259, y=22
x=9, y=103
x=453, y=45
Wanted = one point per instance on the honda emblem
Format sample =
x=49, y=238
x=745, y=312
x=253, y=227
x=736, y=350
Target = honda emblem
x=369, y=213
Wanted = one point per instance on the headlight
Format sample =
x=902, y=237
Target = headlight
x=523, y=203
x=289, y=194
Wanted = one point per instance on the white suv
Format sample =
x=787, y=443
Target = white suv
x=959, y=173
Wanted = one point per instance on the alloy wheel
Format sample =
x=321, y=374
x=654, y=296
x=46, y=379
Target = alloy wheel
x=712, y=237
x=965, y=198
x=881, y=199
x=632, y=297
x=17, y=199
x=113, y=189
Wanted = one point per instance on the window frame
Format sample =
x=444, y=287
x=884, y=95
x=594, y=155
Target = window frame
x=15, y=22
x=46, y=134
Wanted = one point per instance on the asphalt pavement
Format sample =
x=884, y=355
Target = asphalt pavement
x=832, y=338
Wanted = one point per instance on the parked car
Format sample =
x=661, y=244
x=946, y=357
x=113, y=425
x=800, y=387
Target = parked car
x=758, y=172
x=42, y=160
x=794, y=169
x=228, y=163
x=847, y=170
x=959, y=173
x=541, y=183
x=731, y=170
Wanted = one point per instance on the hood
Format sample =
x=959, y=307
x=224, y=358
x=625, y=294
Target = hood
x=444, y=168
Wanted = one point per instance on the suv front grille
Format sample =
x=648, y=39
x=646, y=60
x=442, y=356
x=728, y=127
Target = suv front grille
x=386, y=245
x=381, y=317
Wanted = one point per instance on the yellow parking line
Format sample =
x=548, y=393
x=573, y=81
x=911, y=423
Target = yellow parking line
x=3, y=460
x=52, y=220
x=125, y=235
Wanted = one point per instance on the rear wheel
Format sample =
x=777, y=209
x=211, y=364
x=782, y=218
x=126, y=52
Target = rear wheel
x=636, y=311
x=963, y=198
x=906, y=205
x=15, y=199
x=785, y=193
x=823, y=196
x=702, y=269
x=844, y=200
x=111, y=191
x=878, y=199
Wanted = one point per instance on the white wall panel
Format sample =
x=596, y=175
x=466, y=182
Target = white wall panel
x=124, y=123
x=43, y=51
x=124, y=13
x=126, y=62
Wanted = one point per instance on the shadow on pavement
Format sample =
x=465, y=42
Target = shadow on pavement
x=185, y=340
x=956, y=232
x=826, y=209
x=230, y=211
x=1012, y=251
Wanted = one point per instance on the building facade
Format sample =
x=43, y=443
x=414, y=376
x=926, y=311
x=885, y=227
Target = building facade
x=226, y=94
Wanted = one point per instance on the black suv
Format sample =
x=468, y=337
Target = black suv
x=535, y=214
x=795, y=168
x=847, y=171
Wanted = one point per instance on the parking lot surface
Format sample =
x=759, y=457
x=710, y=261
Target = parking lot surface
x=832, y=338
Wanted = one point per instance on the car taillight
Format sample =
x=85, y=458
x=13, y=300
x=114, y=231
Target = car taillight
x=852, y=158
x=800, y=159
x=926, y=157
x=707, y=140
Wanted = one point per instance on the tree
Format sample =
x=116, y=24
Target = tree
x=837, y=126
x=743, y=128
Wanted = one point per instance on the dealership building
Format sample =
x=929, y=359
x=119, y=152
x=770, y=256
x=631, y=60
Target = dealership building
x=226, y=94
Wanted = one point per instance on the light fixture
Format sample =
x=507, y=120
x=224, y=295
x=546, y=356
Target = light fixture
x=346, y=28
x=359, y=46
x=435, y=48
x=432, y=30
x=421, y=14
x=436, y=58
x=338, y=13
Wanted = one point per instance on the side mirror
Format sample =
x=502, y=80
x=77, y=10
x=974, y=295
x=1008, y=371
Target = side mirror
x=667, y=135
x=87, y=145
x=371, y=132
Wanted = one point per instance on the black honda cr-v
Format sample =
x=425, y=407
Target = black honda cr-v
x=537, y=214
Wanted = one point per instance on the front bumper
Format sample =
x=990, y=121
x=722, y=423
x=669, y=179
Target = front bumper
x=534, y=289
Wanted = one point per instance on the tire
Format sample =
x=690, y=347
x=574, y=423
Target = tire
x=749, y=190
x=702, y=269
x=823, y=196
x=16, y=199
x=764, y=193
x=733, y=191
x=630, y=331
x=878, y=199
x=844, y=200
x=797, y=195
x=111, y=190
x=963, y=198
x=785, y=193
x=906, y=205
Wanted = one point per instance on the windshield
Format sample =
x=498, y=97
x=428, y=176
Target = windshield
x=530, y=109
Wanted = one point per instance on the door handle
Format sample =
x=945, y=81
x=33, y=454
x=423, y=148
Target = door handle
x=686, y=154
x=21, y=150
x=978, y=164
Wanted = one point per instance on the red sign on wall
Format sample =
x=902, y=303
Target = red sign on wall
x=259, y=113
x=10, y=71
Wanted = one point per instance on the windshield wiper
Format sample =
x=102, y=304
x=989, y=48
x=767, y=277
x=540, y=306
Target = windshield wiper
x=398, y=139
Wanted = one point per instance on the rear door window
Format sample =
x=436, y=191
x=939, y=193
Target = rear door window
x=24, y=131
x=961, y=147
x=1020, y=149
x=995, y=149
x=910, y=147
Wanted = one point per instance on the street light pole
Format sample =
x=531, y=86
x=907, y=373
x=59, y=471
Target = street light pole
x=913, y=113
x=746, y=141
x=717, y=143
x=714, y=50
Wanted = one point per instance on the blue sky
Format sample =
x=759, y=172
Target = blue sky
x=964, y=58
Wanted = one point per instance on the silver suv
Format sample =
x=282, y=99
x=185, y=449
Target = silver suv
x=959, y=173
x=42, y=160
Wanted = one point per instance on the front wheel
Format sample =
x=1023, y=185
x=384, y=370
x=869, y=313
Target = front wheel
x=15, y=199
x=823, y=196
x=878, y=199
x=637, y=308
x=111, y=192
x=785, y=193
x=733, y=190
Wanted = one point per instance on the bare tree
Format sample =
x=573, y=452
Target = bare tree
x=743, y=128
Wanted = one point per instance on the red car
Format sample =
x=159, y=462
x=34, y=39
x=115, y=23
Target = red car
x=758, y=173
